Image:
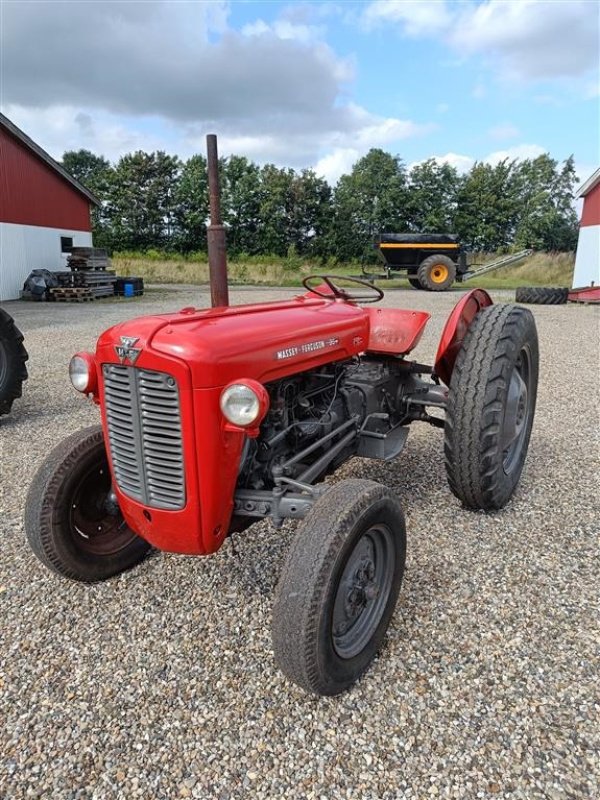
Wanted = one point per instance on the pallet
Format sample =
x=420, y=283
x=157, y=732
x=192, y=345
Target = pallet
x=72, y=294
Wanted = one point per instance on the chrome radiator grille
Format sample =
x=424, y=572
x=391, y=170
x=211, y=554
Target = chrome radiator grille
x=144, y=435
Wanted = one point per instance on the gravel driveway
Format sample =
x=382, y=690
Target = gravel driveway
x=161, y=684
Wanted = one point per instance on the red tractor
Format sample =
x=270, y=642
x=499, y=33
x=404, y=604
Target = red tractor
x=212, y=419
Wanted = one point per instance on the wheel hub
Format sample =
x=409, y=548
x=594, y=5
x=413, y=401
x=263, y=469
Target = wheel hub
x=362, y=591
x=516, y=412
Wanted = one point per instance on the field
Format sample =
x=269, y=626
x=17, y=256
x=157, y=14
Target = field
x=541, y=269
x=161, y=684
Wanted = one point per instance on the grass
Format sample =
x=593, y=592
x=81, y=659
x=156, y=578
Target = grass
x=540, y=269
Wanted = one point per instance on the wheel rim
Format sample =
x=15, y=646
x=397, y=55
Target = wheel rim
x=363, y=591
x=517, y=411
x=95, y=522
x=439, y=273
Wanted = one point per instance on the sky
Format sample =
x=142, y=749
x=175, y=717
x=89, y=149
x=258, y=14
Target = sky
x=307, y=85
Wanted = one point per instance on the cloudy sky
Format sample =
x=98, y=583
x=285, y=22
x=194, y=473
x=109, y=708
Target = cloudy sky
x=306, y=84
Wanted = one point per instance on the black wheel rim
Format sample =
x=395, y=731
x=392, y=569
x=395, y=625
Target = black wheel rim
x=95, y=522
x=363, y=591
x=517, y=411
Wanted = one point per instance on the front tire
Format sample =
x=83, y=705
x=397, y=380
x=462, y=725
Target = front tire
x=339, y=586
x=72, y=524
x=491, y=405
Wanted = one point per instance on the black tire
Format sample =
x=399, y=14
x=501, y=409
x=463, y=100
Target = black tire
x=415, y=283
x=13, y=356
x=326, y=632
x=542, y=295
x=66, y=508
x=491, y=405
x=436, y=273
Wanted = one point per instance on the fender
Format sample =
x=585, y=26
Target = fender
x=457, y=325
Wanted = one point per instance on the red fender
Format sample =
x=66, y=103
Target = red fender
x=456, y=326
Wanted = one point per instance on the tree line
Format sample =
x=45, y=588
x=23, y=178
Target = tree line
x=155, y=200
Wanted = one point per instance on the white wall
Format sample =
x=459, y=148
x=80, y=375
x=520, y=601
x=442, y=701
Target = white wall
x=587, y=260
x=27, y=247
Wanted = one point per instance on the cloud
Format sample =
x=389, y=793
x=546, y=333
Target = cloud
x=416, y=19
x=463, y=163
x=163, y=74
x=523, y=39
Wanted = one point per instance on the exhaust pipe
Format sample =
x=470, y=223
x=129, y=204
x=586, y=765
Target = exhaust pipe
x=217, y=248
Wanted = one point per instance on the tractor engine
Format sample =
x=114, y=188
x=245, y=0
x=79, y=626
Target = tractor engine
x=309, y=412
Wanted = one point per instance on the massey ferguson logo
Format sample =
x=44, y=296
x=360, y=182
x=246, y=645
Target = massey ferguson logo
x=126, y=351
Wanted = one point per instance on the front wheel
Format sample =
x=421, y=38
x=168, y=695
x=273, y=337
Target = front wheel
x=491, y=405
x=72, y=521
x=339, y=586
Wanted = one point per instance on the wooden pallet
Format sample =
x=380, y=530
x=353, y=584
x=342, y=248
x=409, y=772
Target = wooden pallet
x=72, y=294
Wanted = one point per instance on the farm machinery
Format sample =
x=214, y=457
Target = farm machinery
x=213, y=419
x=431, y=261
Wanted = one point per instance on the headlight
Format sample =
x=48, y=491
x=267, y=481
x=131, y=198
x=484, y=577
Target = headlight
x=82, y=372
x=244, y=404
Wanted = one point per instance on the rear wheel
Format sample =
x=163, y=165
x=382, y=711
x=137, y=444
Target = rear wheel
x=72, y=520
x=415, y=283
x=436, y=273
x=491, y=405
x=339, y=586
x=12, y=362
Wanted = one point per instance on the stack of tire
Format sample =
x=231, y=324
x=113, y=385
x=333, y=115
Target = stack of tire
x=12, y=362
x=542, y=295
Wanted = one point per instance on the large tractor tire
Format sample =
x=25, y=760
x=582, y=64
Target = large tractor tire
x=491, y=405
x=72, y=520
x=542, y=295
x=436, y=273
x=339, y=586
x=12, y=362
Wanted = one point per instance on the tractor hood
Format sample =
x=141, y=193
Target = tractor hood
x=265, y=341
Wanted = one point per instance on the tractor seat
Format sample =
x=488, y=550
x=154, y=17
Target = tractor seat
x=395, y=331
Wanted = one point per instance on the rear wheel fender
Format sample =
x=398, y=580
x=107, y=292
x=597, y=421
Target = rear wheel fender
x=455, y=329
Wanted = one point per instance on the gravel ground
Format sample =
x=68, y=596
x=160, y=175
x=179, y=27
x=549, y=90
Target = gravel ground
x=161, y=684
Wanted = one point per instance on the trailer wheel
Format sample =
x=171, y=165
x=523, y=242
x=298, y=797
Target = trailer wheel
x=12, y=362
x=542, y=295
x=415, y=283
x=436, y=273
x=72, y=522
x=339, y=586
x=491, y=405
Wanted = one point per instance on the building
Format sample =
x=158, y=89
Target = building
x=43, y=210
x=587, y=259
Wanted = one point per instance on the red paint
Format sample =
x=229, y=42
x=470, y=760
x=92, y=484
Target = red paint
x=591, y=207
x=32, y=193
x=394, y=330
x=455, y=329
x=587, y=294
x=205, y=351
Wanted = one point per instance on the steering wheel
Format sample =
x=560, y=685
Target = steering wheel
x=342, y=294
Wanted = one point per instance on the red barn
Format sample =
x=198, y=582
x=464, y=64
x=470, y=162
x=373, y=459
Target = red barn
x=587, y=260
x=43, y=210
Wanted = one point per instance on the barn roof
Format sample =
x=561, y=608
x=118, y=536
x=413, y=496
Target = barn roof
x=43, y=155
x=590, y=184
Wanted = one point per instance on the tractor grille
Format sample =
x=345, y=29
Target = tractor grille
x=144, y=435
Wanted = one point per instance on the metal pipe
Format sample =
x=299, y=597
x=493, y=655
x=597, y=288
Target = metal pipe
x=217, y=248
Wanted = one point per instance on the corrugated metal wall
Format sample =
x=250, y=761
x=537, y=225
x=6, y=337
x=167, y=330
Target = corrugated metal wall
x=27, y=247
x=32, y=193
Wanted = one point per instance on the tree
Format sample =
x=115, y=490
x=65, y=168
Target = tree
x=373, y=198
x=95, y=173
x=190, y=215
x=241, y=204
x=433, y=197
